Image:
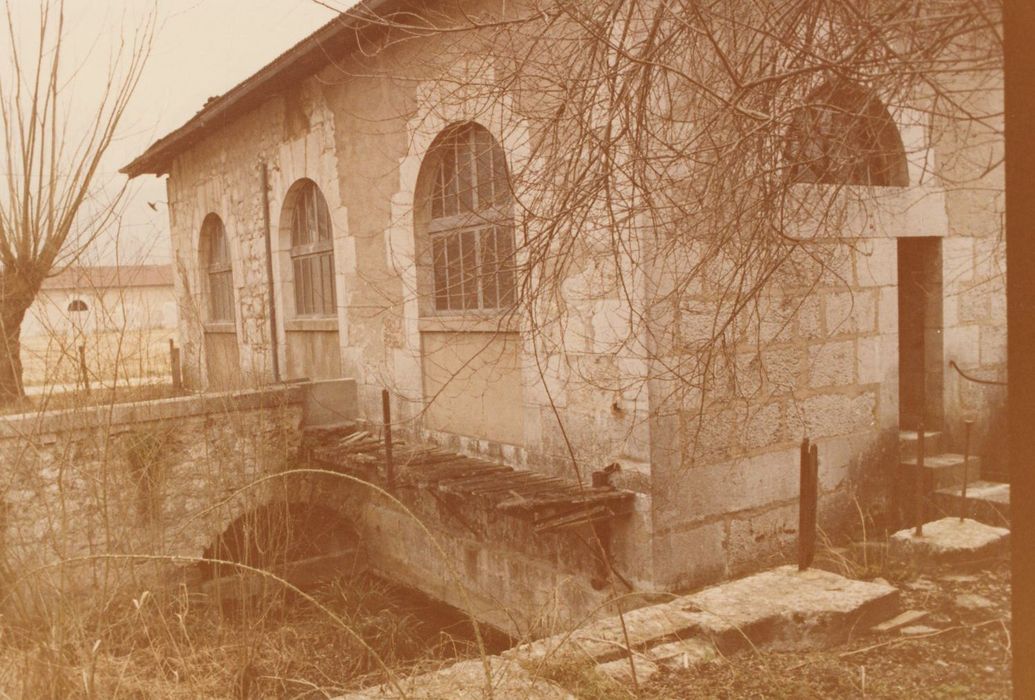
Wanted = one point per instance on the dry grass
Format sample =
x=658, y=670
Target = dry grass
x=179, y=644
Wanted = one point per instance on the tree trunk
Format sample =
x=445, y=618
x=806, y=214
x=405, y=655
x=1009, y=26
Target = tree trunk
x=11, y=388
x=17, y=292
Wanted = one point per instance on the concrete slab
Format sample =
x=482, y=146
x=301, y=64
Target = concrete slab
x=605, y=640
x=467, y=681
x=782, y=608
x=949, y=540
x=987, y=502
x=790, y=609
x=329, y=402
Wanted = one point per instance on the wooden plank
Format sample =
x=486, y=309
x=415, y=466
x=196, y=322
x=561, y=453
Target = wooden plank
x=598, y=495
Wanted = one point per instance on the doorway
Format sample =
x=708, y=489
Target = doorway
x=920, y=348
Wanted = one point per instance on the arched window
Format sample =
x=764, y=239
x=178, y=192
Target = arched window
x=216, y=258
x=466, y=212
x=843, y=135
x=77, y=305
x=312, y=254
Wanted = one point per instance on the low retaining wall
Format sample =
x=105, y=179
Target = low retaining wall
x=149, y=479
x=495, y=566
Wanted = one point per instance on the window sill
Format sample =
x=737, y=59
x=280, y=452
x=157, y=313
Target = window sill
x=226, y=327
x=468, y=324
x=310, y=325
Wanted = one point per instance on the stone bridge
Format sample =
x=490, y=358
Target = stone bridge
x=132, y=496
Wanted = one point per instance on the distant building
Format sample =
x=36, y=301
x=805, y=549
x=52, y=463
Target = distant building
x=122, y=314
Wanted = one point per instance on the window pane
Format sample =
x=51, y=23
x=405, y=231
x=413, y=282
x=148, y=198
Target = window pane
x=323, y=218
x=469, y=269
x=449, y=179
x=454, y=272
x=329, y=302
x=465, y=171
x=483, y=157
x=440, y=272
x=437, y=193
x=505, y=256
x=297, y=270
x=489, y=268
x=307, y=285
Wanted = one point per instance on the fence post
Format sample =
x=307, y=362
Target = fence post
x=808, y=496
x=967, y=425
x=174, y=366
x=386, y=416
x=84, y=376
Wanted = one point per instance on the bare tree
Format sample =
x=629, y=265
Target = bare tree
x=51, y=207
x=708, y=163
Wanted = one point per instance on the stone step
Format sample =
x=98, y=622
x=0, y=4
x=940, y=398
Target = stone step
x=987, y=502
x=943, y=470
x=907, y=440
x=949, y=540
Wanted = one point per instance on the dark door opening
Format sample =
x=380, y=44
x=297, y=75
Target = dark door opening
x=920, y=365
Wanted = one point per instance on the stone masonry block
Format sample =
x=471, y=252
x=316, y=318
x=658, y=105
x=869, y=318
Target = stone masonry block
x=993, y=345
x=957, y=261
x=851, y=312
x=755, y=537
x=869, y=359
x=832, y=364
x=738, y=485
x=876, y=262
x=838, y=414
x=962, y=344
x=685, y=557
x=887, y=310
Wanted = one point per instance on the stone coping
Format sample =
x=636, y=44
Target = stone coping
x=21, y=425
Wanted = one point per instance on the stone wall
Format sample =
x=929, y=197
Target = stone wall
x=717, y=472
x=157, y=478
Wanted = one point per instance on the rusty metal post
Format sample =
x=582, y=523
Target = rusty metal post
x=84, y=376
x=808, y=495
x=967, y=425
x=386, y=416
x=918, y=490
x=174, y=366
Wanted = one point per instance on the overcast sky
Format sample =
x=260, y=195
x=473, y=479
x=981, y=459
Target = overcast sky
x=202, y=48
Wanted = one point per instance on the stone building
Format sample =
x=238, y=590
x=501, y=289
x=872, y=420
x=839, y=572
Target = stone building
x=318, y=234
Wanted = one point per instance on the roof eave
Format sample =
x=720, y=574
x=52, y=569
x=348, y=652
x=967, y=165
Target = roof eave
x=301, y=60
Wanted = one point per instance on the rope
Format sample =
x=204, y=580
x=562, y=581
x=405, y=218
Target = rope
x=952, y=363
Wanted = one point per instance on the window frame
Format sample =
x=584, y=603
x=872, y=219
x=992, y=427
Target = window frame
x=220, y=304
x=312, y=256
x=839, y=118
x=448, y=225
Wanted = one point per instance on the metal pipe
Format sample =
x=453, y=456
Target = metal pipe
x=918, y=491
x=967, y=425
x=808, y=496
x=271, y=292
